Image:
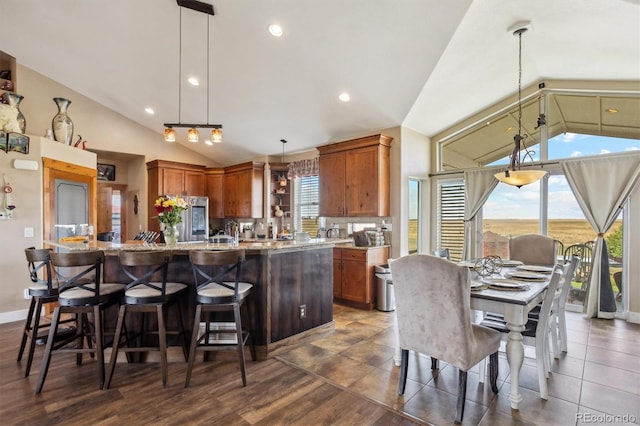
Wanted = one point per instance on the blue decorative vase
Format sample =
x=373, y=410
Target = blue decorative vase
x=61, y=124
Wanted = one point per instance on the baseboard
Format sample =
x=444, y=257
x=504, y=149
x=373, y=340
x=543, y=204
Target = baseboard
x=13, y=316
x=633, y=317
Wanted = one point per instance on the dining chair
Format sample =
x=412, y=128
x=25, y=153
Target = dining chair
x=219, y=289
x=433, y=313
x=147, y=292
x=582, y=273
x=537, y=332
x=559, y=320
x=43, y=290
x=533, y=249
x=80, y=292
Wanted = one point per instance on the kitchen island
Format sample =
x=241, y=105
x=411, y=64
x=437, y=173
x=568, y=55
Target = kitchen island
x=293, y=284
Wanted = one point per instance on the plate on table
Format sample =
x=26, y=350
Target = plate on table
x=477, y=285
x=508, y=263
x=526, y=275
x=505, y=284
x=535, y=268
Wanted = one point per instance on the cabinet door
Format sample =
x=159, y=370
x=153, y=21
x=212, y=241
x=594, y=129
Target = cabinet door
x=245, y=195
x=331, y=177
x=172, y=182
x=362, y=185
x=215, y=185
x=231, y=189
x=354, y=280
x=194, y=183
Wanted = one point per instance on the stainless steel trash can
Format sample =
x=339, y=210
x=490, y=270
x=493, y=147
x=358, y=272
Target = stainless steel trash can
x=385, y=299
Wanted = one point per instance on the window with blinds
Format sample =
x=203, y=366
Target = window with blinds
x=307, y=204
x=450, y=229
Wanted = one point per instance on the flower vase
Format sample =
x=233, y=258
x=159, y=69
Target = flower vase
x=14, y=100
x=61, y=124
x=170, y=235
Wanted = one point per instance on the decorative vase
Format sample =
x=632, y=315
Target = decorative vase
x=61, y=123
x=14, y=100
x=170, y=235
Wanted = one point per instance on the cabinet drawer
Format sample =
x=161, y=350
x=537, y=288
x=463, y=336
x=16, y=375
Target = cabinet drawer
x=351, y=254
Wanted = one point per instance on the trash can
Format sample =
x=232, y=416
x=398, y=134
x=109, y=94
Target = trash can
x=385, y=299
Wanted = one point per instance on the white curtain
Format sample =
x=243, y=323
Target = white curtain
x=478, y=185
x=601, y=186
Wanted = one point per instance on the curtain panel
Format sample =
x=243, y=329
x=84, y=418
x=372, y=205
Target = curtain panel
x=478, y=185
x=303, y=168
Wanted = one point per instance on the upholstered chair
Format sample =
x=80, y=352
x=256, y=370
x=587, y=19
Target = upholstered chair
x=533, y=249
x=434, y=318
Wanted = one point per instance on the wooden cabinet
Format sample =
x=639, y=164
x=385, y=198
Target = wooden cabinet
x=354, y=274
x=214, y=182
x=279, y=195
x=354, y=177
x=243, y=190
x=171, y=178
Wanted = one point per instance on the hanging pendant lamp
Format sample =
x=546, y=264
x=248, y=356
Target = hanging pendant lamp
x=514, y=175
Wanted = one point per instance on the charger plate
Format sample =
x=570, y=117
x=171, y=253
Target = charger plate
x=526, y=275
x=505, y=284
x=535, y=268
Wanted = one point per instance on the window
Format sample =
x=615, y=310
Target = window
x=414, y=215
x=307, y=205
x=450, y=210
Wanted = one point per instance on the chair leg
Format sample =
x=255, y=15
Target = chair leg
x=194, y=341
x=482, y=370
x=238, y=320
x=541, y=360
x=555, y=336
x=249, y=326
x=404, y=364
x=27, y=331
x=34, y=337
x=493, y=371
x=183, y=333
x=434, y=363
x=462, y=395
x=116, y=344
x=97, y=318
x=46, y=360
x=81, y=333
x=562, y=331
x=162, y=341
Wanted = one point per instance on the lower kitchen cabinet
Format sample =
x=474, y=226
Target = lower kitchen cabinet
x=354, y=275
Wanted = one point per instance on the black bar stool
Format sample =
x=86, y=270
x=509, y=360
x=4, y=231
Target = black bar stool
x=80, y=292
x=213, y=294
x=147, y=293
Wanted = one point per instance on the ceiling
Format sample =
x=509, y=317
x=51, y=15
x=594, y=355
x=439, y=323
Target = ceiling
x=424, y=64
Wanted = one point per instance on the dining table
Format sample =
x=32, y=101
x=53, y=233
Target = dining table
x=513, y=304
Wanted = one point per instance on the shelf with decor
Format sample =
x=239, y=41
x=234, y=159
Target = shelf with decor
x=280, y=194
x=7, y=73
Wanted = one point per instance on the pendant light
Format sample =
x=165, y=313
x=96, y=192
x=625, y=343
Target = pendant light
x=283, y=178
x=193, y=134
x=514, y=175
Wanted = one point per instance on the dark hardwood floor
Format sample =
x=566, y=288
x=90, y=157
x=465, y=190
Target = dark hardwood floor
x=347, y=378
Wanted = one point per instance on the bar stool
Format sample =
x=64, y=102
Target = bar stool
x=144, y=294
x=80, y=292
x=215, y=295
x=41, y=291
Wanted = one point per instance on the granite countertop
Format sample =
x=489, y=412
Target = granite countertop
x=249, y=245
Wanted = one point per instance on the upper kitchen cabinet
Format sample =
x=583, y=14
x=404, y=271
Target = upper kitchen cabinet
x=171, y=178
x=243, y=190
x=214, y=180
x=354, y=177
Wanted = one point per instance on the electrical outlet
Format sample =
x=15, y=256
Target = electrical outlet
x=303, y=311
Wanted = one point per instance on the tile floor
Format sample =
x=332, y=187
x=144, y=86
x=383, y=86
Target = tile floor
x=596, y=382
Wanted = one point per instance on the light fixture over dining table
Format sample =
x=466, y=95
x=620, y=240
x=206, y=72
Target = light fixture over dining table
x=193, y=134
x=514, y=175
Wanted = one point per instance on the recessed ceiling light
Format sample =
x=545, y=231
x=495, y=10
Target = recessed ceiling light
x=611, y=110
x=193, y=81
x=275, y=30
x=149, y=110
x=208, y=142
x=344, y=97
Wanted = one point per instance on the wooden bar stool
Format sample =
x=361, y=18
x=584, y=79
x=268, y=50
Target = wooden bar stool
x=213, y=294
x=80, y=292
x=41, y=291
x=147, y=292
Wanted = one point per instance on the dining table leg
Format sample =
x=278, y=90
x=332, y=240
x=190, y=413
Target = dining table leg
x=515, y=358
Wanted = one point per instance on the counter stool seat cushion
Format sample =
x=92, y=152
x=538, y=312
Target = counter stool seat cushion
x=146, y=292
x=78, y=295
x=215, y=292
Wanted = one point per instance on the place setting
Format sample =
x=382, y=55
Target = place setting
x=526, y=275
x=505, y=284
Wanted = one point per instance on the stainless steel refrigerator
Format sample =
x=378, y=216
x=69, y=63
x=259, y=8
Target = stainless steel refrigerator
x=195, y=220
